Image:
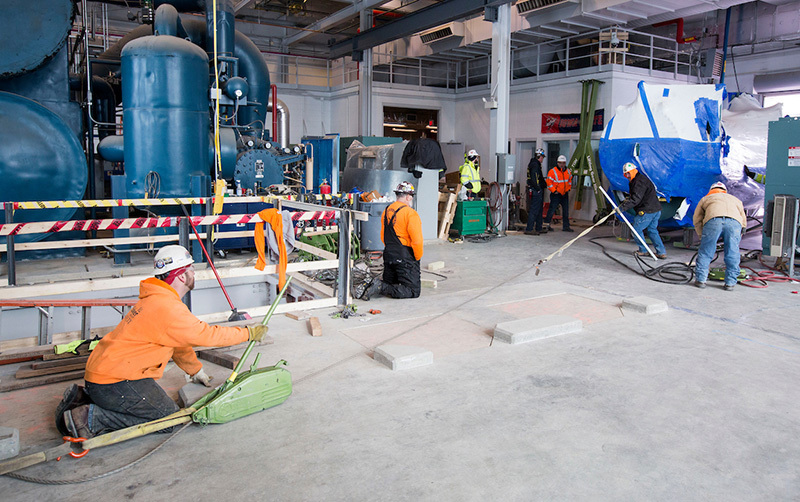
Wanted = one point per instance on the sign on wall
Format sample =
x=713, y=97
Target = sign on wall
x=569, y=122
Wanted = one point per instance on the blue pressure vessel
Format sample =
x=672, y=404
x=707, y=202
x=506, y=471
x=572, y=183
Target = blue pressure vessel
x=166, y=115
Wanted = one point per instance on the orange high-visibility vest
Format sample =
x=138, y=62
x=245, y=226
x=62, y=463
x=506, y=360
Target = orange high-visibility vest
x=558, y=181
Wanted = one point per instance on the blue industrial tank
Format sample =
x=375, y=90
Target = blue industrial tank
x=32, y=32
x=41, y=159
x=166, y=120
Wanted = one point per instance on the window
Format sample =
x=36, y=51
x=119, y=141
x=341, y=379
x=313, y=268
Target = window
x=790, y=101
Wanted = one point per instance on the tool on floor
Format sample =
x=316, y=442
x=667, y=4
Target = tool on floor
x=568, y=244
x=374, y=311
x=235, y=314
x=242, y=394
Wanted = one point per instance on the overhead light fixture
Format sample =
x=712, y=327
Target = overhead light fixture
x=393, y=124
x=432, y=127
x=403, y=129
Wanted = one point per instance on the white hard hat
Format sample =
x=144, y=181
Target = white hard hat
x=628, y=167
x=719, y=184
x=561, y=158
x=472, y=154
x=404, y=187
x=539, y=152
x=171, y=258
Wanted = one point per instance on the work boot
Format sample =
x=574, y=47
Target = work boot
x=549, y=228
x=531, y=232
x=662, y=256
x=728, y=287
x=77, y=422
x=568, y=230
x=373, y=289
x=74, y=396
x=701, y=285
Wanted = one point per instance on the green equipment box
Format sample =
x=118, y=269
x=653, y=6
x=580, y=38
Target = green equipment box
x=470, y=218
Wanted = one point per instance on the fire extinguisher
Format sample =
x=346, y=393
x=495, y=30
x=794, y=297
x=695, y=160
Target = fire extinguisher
x=325, y=188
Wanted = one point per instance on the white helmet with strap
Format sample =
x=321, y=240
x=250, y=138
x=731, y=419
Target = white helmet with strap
x=404, y=188
x=171, y=258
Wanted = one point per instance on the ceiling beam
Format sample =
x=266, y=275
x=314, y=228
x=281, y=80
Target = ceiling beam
x=429, y=17
x=332, y=20
x=654, y=5
x=241, y=4
x=557, y=28
x=625, y=12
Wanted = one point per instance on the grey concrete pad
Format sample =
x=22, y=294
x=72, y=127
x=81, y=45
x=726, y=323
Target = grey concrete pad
x=402, y=357
x=645, y=305
x=9, y=442
x=191, y=392
x=536, y=328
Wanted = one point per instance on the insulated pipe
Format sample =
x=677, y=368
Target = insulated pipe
x=225, y=28
x=273, y=105
x=281, y=132
x=679, y=34
x=167, y=22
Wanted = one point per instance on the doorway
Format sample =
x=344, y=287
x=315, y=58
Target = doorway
x=410, y=123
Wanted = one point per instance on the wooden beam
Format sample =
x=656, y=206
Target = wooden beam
x=43, y=380
x=29, y=372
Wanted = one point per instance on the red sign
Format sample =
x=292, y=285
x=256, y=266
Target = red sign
x=569, y=122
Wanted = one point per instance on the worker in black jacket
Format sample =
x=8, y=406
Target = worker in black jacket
x=643, y=199
x=536, y=188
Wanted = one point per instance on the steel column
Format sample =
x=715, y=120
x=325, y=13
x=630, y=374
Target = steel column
x=500, y=79
x=365, y=82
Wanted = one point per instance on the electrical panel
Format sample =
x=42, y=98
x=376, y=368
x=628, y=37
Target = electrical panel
x=505, y=168
x=783, y=232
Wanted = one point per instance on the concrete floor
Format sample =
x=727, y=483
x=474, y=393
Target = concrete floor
x=698, y=403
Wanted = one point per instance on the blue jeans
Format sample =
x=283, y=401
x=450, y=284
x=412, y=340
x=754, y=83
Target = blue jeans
x=556, y=199
x=648, y=222
x=731, y=231
x=535, y=203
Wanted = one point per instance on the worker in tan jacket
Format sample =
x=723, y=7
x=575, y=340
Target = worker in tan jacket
x=122, y=370
x=719, y=214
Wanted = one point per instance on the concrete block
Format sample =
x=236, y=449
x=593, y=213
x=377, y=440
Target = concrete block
x=9, y=442
x=428, y=283
x=436, y=265
x=645, y=305
x=402, y=357
x=536, y=328
x=191, y=392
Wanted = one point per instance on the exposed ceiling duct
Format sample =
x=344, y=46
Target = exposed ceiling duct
x=529, y=6
x=449, y=30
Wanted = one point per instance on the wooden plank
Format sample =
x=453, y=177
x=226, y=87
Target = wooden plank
x=314, y=327
x=59, y=362
x=31, y=373
x=43, y=380
x=17, y=353
x=220, y=358
x=314, y=250
x=298, y=316
x=448, y=216
x=133, y=281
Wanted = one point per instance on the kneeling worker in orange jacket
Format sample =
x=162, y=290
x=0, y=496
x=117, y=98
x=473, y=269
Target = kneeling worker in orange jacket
x=122, y=370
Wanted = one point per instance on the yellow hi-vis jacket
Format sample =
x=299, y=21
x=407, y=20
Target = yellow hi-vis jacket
x=470, y=173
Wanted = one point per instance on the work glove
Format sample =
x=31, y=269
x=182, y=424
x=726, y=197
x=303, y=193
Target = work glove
x=257, y=332
x=468, y=186
x=750, y=174
x=200, y=377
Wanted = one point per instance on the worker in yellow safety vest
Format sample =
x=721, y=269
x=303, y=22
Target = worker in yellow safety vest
x=471, y=174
